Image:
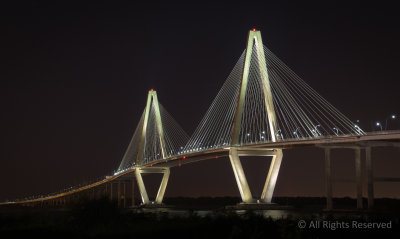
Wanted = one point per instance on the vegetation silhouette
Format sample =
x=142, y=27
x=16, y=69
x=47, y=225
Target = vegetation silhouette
x=101, y=218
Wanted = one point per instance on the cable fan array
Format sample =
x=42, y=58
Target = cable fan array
x=301, y=113
x=215, y=129
x=131, y=153
x=173, y=139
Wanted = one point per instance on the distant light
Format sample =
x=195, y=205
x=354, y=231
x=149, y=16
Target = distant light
x=378, y=124
x=151, y=89
x=263, y=132
x=254, y=29
x=393, y=116
x=184, y=157
x=248, y=134
x=358, y=121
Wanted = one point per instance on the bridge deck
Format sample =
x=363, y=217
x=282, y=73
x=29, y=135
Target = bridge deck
x=386, y=138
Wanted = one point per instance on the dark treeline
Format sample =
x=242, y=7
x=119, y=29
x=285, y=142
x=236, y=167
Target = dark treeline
x=102, y=218
x=298, y=203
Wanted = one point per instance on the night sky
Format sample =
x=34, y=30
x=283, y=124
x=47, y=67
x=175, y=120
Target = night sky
x=74, y=80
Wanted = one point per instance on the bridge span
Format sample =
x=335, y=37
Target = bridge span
x=262, y=109
x=370, y=140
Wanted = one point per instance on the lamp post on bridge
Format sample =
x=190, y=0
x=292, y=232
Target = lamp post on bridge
x=379, y=124
x=315, y=130
x=295, y=132
x=392, y=117
x=279, y=134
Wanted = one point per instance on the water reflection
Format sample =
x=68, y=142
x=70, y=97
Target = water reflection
x=274, y=214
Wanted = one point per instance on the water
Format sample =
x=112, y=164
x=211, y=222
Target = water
x=274, y=214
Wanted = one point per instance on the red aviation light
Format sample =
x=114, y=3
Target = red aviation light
x=151, y=89
x=254, y=29
x=184, y=157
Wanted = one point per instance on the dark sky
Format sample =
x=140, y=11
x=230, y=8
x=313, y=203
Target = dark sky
x=74, y=80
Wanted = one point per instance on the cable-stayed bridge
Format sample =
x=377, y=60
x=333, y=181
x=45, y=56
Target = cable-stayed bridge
x=262, y=109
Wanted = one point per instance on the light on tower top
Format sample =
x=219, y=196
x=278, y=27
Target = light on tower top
x=151, y=89
x=254, y=29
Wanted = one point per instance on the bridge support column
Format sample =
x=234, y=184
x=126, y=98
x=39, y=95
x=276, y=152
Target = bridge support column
x=119, y=194
x=358, y=178
x=240, y=177
x=111, y=191
x=370, y=179
x=328, y=179
x=124, y=186
x=142, y=188
x=133, y=192
x=273, y=172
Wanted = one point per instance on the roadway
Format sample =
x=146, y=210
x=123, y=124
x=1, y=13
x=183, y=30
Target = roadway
x=372, y=139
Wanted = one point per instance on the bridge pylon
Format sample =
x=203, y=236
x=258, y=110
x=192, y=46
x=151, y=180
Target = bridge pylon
x=153, y=107
x=254, y=39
